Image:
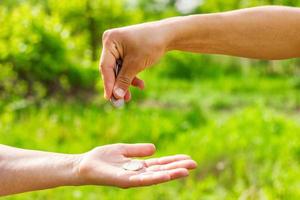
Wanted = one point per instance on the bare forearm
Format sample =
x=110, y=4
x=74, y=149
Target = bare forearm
x=263, y=32
x=27, y=170
x=270, y=32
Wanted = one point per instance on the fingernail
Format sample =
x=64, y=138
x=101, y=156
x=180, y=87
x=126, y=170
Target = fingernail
x=120, y=93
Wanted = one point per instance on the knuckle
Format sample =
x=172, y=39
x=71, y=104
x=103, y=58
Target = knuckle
x=119, y=146
x=124, y=81
x=109, y=35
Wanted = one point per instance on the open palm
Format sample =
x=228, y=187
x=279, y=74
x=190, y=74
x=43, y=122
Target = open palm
x=104, y=166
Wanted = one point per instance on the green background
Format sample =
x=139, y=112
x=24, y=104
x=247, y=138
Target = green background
x=238, y=118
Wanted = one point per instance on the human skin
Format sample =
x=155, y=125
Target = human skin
x=27, y=170
x=269, y=32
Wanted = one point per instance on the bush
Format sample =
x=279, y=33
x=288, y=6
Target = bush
x=192, y=66
x=35, y=54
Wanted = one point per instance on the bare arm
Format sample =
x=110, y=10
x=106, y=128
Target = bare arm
x=270, y=32
x=26, y=170
x=265, y=32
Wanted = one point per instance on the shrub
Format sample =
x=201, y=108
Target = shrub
x=36, y=55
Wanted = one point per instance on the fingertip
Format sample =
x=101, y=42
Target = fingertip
x=142, y=88
x=127, y=97
x=152, y=148
x=149, y=149
x=141, y=85
x=194, y=164
x=138, y=83
x=105, y=96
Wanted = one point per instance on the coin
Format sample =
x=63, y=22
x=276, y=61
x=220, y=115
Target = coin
x=134, y=165
x=118, y=103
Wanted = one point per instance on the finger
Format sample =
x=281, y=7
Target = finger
x=187, y=164
x=138, y=83
x=178, y=173
x=125, y=78
x=166, y=159
x=138, y=150
x=147, y=179
x=127, y=96
x=107, y=64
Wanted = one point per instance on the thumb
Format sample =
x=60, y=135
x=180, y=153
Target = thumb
x=125, y=78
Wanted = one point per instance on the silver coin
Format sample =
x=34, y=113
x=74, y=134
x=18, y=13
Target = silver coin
x=134, y=165
x=118, y=103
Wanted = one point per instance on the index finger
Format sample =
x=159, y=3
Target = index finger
x=106, y=67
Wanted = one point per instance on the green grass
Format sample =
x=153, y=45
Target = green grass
x=242, y=131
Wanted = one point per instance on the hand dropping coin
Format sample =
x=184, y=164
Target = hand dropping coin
x=118, y=103
x=133, y=165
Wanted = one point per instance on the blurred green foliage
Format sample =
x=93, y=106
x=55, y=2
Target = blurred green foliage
x=238, y=118
x=36, y=50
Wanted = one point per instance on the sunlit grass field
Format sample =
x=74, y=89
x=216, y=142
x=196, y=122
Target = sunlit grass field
x=242, y=130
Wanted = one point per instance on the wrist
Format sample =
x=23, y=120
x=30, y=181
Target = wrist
x=171, y=30
x=66, y=167
x=84, y=170
x=194, y=33
x=75, y=172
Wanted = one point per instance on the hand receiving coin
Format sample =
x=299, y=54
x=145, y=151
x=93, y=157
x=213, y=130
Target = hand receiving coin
x=115, y=165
